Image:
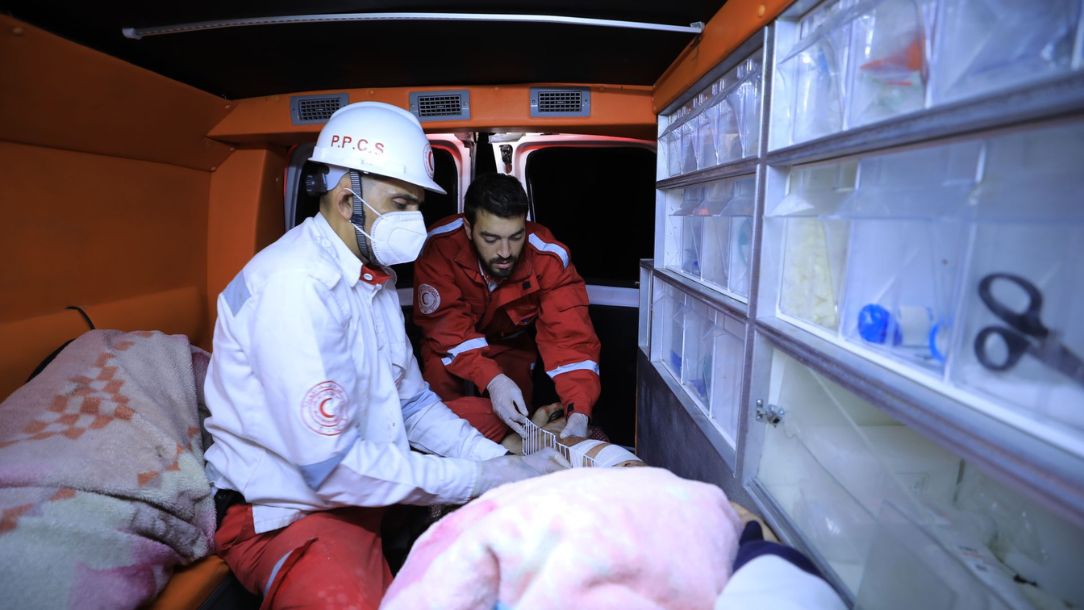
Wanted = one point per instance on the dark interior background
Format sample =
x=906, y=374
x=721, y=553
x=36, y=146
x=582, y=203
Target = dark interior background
x=252, y=61
x=600, y=202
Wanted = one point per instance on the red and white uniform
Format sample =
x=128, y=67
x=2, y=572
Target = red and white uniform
x=474, y=327
x=316, y=403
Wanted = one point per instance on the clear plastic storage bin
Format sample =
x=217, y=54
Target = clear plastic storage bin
x=668, y=327
x=955, y=259
x=899, y=519
x=888, y=48
x=908, y=239
x=986, y=45
x=704, y=349
x=671, y=140
x=707, y=146
x=709, y=233
x=810, y=241
x=728, y=366
x=810, y=77
x=850, y=63
x=689, y=146
x=698, y=351
x=681, y=250
x=744, y=99
x=1022, y=336
x=718, y=125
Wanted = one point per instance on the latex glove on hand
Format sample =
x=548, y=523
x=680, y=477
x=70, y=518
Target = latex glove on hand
x=575, y=426
x=508, y=403
x=512, y=468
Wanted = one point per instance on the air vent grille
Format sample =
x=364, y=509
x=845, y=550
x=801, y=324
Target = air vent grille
x=566, y=101
x=440, y=105
x=307, y=109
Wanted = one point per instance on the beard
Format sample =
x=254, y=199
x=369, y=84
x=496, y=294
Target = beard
x=497, y=272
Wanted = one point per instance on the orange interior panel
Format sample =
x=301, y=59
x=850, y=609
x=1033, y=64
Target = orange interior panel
x=27, y=342
x=736, y=21
x=615, y=110
x=246, y=214
x=180, y=311
x=56, y=93
x=81, y=229
x=105, y=194
x=191, y=585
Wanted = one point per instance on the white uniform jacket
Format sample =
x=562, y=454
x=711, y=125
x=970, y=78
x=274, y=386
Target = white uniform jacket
x=315, y=395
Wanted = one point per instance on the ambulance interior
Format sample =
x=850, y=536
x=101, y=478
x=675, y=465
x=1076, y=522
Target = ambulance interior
x=813, y=234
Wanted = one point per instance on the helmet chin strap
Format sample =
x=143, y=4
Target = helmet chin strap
x=358, y=218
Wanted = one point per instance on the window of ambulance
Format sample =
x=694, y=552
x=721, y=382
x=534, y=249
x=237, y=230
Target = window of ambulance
x=599, y=201
x=451, y=171
x=597, y=195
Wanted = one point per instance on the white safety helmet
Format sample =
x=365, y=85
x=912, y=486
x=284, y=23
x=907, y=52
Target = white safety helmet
x=376, y=138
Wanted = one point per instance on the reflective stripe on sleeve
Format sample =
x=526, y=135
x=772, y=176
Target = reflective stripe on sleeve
x=542, y=246
x=448, y=228
x=583, y=365
x=466, y=346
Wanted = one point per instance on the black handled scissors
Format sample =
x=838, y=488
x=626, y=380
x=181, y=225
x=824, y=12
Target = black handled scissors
x=1027, y=335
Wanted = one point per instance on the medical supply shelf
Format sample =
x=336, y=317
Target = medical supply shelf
x=893, y=416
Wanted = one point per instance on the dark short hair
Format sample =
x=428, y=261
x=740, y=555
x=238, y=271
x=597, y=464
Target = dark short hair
x=499, y=194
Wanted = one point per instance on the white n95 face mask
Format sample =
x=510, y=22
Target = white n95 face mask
x=397, y=237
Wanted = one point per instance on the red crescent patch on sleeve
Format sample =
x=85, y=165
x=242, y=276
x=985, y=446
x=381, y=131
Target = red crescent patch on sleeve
x=323, y=408
x=428, y=299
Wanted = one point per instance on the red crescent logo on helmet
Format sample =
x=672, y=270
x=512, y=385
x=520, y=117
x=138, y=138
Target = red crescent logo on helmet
x=428, y=159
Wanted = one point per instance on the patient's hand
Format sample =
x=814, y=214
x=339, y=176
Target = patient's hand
x=551, y=417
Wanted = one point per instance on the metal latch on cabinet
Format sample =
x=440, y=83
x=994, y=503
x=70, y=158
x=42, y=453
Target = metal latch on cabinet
x=771, y=414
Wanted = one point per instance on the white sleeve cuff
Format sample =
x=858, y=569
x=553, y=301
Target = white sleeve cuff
x=772, y=582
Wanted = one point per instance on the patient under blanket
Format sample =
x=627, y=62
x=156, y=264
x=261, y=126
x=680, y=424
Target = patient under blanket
x=102, y=488
x=591, y=538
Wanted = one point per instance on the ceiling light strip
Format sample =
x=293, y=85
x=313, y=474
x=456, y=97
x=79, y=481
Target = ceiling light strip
x=138, y=33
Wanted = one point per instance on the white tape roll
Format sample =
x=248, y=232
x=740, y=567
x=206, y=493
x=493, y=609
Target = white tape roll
x=914, y=325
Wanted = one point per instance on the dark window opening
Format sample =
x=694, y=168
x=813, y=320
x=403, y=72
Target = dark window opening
x=436, y=206
x=600, y=202
x=484, y=162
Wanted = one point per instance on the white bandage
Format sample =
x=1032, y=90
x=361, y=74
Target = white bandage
x=612, y=455
x=608, y=456
x=577, y=454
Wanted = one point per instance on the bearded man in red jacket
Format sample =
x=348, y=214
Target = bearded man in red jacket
x=492, y=292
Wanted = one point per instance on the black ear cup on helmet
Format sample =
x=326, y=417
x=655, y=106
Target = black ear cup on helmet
x=314, y=179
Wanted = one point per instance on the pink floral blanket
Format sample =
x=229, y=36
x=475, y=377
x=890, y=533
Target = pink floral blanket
x=102, y=489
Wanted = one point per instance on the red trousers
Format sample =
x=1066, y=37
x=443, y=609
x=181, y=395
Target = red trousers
x=516, y=362
x=328, y=559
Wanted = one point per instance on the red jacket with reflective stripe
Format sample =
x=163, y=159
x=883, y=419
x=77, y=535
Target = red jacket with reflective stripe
x=458, y=314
